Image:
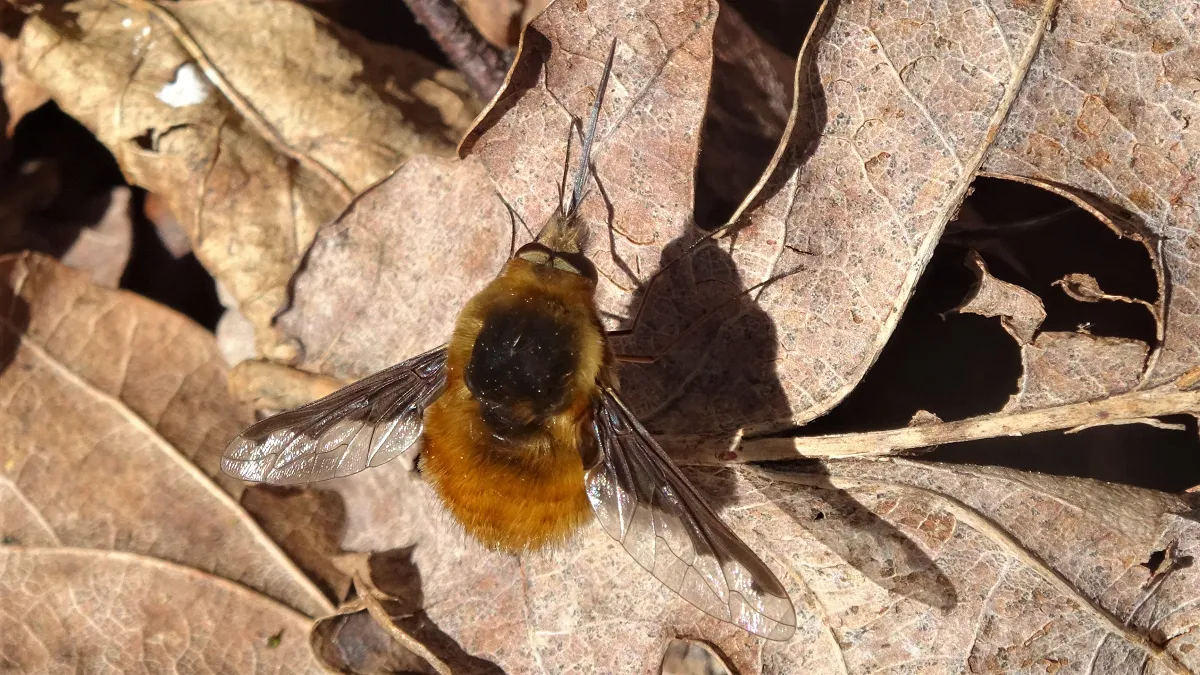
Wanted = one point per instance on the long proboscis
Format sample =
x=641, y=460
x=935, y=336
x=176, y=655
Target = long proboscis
x=581, y=172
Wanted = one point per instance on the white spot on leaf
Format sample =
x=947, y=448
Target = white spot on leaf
x=189, y=88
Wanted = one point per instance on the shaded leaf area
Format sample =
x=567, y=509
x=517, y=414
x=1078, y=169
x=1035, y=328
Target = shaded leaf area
x=186, y=97
x=81, y=610
x=1107, y=111
x=115, y=412
x=889, y=563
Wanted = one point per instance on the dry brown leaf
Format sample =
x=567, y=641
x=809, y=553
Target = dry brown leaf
x=894, y=112
x=878, y=118
x=1064, y=368
x=1110, y=109
x=108, y=399
x=76, y=610
x=18, y=94
x=254, y=137
x=1021, y=312
x=889, y=563
x=102, y=249
x=384, y=282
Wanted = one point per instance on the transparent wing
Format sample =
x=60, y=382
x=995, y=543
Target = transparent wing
x=643, y=501
x=366, y=424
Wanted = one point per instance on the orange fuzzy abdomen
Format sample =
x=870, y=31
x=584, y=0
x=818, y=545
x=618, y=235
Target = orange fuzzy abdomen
x=509, y=498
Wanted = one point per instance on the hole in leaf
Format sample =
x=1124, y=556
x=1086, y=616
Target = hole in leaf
x=1155, y=560
x=1033, y=238
x=145, y=140
x=955, y=367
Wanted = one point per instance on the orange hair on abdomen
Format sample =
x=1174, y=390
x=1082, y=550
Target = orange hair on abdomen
x=527, y=492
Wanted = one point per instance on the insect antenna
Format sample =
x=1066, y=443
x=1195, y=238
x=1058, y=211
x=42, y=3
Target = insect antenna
x=581, y=172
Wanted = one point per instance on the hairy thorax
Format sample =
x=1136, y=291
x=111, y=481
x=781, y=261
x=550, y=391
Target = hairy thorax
x=507, y=441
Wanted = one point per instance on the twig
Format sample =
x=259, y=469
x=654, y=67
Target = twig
x=1137, y=405
x=482, y=64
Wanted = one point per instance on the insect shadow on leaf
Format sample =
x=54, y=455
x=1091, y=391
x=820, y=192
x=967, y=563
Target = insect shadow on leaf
x=356, y=642
x=747, y=387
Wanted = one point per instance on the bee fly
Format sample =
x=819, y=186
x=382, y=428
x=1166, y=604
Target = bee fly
x=523, y=435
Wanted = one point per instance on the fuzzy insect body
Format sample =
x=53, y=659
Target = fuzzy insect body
x=506, y=441
x=523, y=436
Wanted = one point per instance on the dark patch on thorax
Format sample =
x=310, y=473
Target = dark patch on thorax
x=520, y=368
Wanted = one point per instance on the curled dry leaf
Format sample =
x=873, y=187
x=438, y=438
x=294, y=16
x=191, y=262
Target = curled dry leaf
x=1085, y=288
x=254, y=138
x=692, y=657
x=964, y=568
x=1109, y=110
x=1021, y=312
x=114, y=415
x=78, y=610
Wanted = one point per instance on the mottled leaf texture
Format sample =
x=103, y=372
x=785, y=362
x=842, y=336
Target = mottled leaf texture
x=894, y=566
x=1110, y=108
x=257, y=122
x=1063, y=368
x=91, y=611
x=386, y=281
x=112, y=412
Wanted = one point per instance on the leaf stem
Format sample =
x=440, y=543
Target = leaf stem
x=1135, y=406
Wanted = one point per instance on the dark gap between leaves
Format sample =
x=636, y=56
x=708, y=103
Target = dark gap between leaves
x=390, y=22
x=1133, y=454
x=85, y=167
x=179, y=283
x=754, y=64
x=87, y=170
x=1033, y=238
